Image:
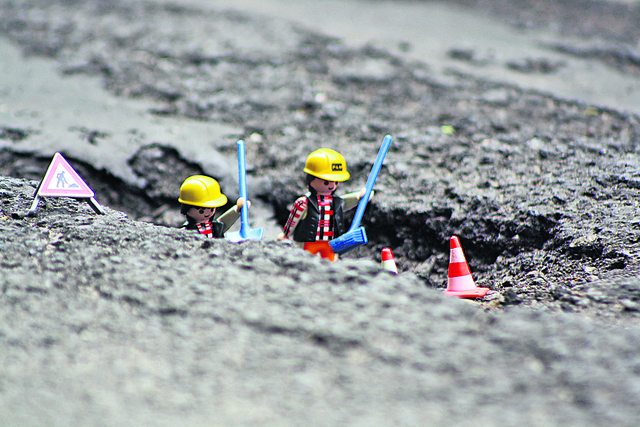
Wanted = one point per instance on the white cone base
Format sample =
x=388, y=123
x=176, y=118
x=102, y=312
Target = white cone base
x=390, y=265
x=464, y=286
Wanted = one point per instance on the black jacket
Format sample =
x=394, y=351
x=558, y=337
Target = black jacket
x=307, y=228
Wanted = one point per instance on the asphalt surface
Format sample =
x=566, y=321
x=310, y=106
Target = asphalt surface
x=110, y=321
x=123, y=319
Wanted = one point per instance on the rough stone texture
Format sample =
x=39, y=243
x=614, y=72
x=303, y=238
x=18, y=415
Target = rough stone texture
x=522, y=172
x=111, y=321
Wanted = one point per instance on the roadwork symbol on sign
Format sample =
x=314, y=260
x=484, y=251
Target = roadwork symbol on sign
x=61, y=180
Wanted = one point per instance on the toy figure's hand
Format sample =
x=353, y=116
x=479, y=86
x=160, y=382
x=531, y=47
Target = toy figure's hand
x=282, y=237
x=240, y=204
x=361, y=194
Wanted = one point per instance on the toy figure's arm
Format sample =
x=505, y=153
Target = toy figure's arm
x=297, y=212
x=231, y=216
x=351, y=199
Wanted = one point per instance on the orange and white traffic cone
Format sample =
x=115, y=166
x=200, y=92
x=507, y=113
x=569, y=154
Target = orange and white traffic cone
x=461, y=282
x=388, y=263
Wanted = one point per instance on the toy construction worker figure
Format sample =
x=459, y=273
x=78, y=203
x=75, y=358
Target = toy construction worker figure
x=200, y=196
x=318, y=217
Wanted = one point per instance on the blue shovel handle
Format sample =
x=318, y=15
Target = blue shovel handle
x=373, y=175
x=246, y=232
x=242, y=177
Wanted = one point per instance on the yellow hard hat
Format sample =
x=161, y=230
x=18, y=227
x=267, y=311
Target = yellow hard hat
x=327, y=164
x=203, y=191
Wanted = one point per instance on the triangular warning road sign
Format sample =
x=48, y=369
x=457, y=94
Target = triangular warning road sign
x=61, y=180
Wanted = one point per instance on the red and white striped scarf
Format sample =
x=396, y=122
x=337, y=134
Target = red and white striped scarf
x=206, y=229
x=325, y=224
x=325, y=230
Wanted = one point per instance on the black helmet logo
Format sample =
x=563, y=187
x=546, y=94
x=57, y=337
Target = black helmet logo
x=336, y=167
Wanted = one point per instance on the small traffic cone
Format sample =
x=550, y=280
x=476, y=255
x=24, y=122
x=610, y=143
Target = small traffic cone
x=388, y=263
x=460, y=282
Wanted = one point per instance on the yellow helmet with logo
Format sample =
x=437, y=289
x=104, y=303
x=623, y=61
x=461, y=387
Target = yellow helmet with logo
x=327, y=164
x=203, y=191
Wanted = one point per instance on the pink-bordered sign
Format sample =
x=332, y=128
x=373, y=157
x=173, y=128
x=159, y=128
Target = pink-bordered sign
x=61, y=180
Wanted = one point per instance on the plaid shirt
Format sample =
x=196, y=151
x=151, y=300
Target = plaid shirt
x=325, y=224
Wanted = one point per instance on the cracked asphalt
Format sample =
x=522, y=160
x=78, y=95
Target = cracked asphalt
x=521, y=139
